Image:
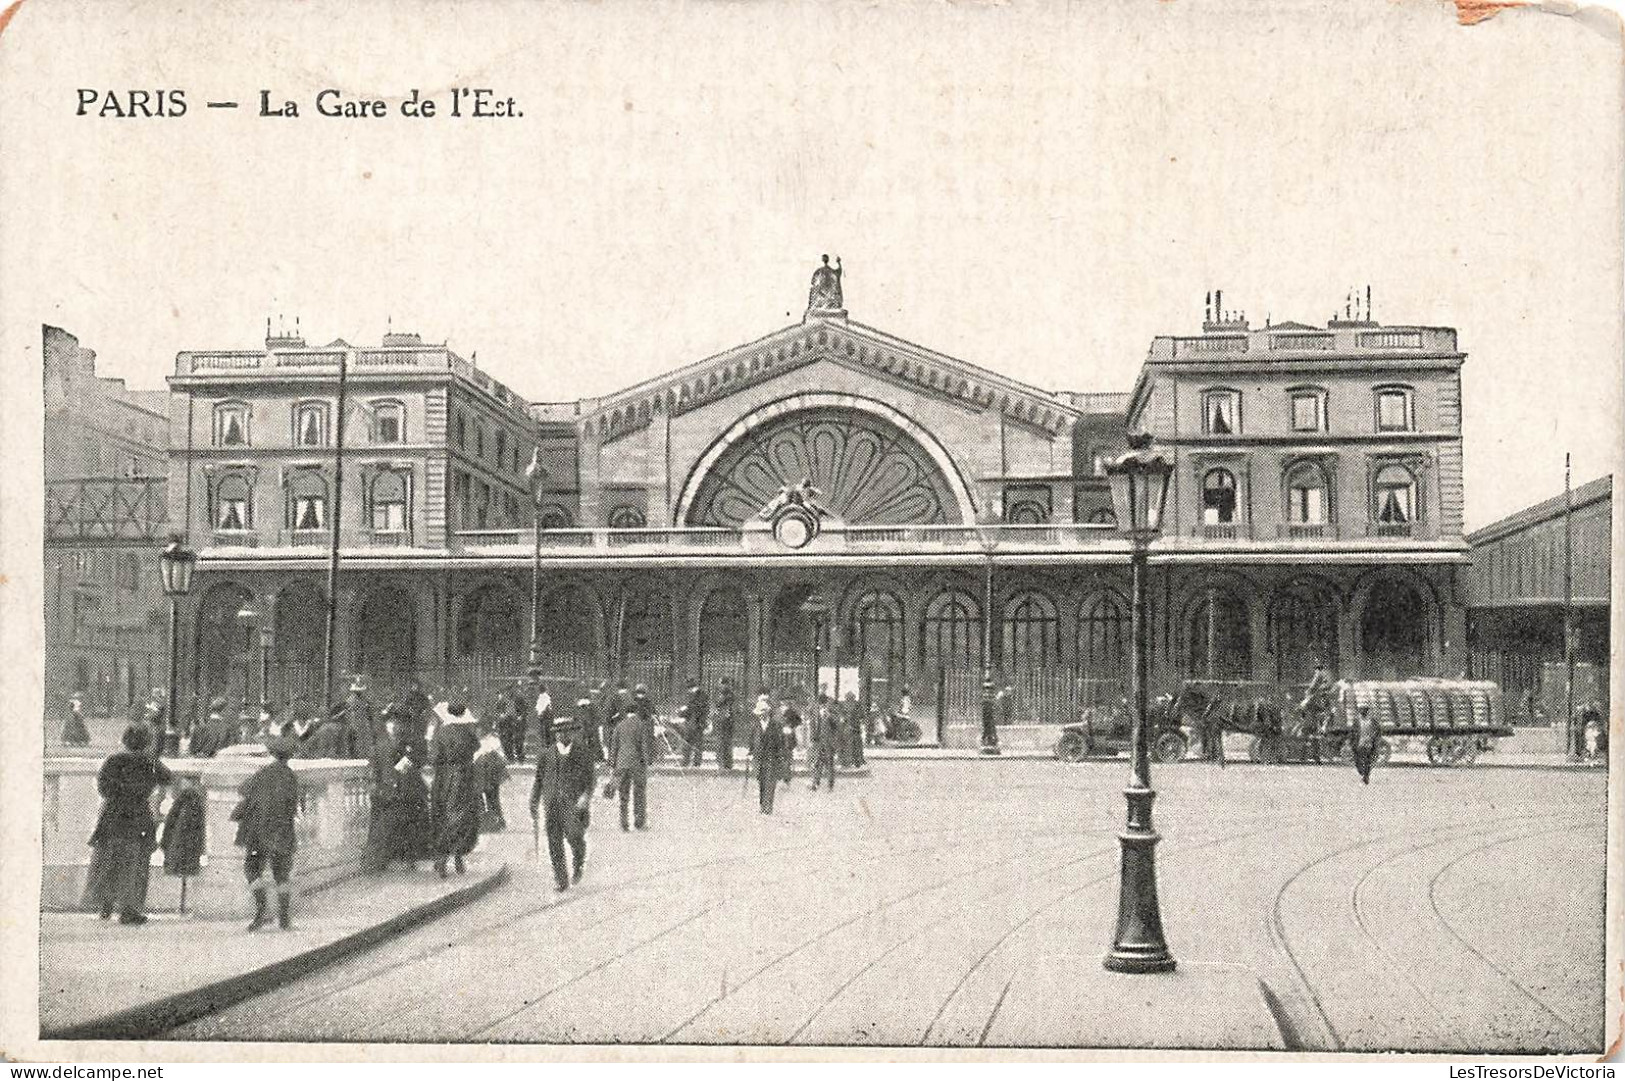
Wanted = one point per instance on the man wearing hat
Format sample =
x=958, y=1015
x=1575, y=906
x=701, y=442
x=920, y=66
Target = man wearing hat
x=631, y=752
x=212, y=734
x=358, y=714
x=699, y=708
x=560, y=796
x=264, y=817
x=724, y=723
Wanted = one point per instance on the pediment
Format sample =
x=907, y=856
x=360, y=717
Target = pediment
x=837, y=341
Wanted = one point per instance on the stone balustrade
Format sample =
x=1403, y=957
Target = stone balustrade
x=334, y=805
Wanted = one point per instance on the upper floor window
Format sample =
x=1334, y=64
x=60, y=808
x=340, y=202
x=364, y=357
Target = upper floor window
x=479, y=441
x=310, y=424
x=307, y=500
x=502, y=449
x=388, y=425
x=1308, y=409
x=1395, y=491
x=462, y=432
x=1306, y=502
x=233, y=503
x=230, y=424
x=626, y=516
x=1221, y=412
x=1218, y=497
x=388, y=499
x=1026, y=512
x=1394, y=409
x=555, y=518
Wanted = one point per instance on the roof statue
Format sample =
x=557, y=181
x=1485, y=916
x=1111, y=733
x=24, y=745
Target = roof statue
x=825, y=294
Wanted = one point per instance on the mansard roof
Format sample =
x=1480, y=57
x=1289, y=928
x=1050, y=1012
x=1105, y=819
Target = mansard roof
x=834, y=339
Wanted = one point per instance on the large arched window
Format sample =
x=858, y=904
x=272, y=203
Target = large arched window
x=1218, y=640
x=388, y=502
x=1031, y=632
x=875, y=633
x=1394, y=488
x=307, y=500
x=234, y=502
x=1218, y=497
x=952, y=631
x=1307, y=500
x=555, y=517
x=1102, y=644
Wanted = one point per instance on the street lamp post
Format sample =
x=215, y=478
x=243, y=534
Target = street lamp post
x=536, y=475
x=175, y=564
x=990, y=723
x=1139, y=483
x=265, y=666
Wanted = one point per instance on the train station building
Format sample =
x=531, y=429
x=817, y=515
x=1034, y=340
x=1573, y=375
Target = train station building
x=963, y=517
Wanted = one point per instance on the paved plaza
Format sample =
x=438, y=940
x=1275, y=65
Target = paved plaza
x=969, y=902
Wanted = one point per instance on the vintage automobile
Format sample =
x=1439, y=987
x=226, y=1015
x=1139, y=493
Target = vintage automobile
x=1105, y=731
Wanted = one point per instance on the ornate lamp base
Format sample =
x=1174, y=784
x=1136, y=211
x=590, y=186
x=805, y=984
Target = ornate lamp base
x=1139, y=945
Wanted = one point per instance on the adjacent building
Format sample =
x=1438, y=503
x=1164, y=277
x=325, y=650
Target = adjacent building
x=106, y=453
x=965, y=521
x=1515, y=599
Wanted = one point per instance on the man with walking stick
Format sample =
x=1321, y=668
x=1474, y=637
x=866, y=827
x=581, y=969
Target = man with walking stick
x=767, y=749
x=559, y=801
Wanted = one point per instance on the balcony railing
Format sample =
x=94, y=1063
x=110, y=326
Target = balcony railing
x=236, y=538
x=1219, y=531
x=1306, y=530
x=1390, y=529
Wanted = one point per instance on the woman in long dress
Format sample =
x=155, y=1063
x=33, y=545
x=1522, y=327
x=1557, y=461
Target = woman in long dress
x=455, y=795
x=399, y=827
x=125, y=833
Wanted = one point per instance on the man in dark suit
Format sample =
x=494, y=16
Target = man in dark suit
x=767, y=750
x=724, y=723
x=631, y=752
x=699, y=707
x=563, y=789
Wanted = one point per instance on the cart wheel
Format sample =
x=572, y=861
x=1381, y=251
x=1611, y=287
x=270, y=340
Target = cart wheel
x=905, y=731
x=1256, y=749
x=1469, y=750
x=1170, y=747
x=1070, y=748
x=1385, y=751
x=1436, y=750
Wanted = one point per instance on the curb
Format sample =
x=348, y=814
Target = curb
x=149, y=1019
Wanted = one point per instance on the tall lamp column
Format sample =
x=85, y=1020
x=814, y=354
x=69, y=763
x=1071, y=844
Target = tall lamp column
x=536, y=475
x=1139, y=482
x=175, y=564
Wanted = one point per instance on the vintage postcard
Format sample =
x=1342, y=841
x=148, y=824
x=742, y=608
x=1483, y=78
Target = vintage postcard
x=806, y=529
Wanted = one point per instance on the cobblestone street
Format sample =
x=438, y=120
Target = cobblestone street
x=967, y=903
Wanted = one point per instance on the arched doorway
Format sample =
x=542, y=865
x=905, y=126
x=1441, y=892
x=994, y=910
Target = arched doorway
x=642, y=636
x=1103, y=647
x=1303, y=630
x=570, y=634
x=1218, y=637
x=386, y=637
x=227, y=664
x=874, y=638
x=491, y=627
x=300, y=637
x=724, y=634
x=1393, y=631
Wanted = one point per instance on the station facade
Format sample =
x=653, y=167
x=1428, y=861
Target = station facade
x=964, y=521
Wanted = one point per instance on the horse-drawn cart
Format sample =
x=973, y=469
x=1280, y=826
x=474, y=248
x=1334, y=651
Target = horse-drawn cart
x=1456, y=716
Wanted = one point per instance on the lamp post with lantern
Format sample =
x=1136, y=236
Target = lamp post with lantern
x=536, y=477
x=1139, y=484
x=175, y=565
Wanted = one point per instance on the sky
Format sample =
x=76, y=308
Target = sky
x=1036, y=188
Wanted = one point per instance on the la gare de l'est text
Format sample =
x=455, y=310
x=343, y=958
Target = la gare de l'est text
x=475, y=102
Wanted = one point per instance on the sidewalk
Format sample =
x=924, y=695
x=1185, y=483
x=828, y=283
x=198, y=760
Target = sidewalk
x=101, y=980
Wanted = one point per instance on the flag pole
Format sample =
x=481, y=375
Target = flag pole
x=335, y=519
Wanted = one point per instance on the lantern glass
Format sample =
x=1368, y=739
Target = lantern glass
x=1139, y=484
x=175, y=564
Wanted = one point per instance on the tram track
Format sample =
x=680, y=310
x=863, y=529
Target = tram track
x=428, y=955
x=714, y=1000
x=1277, y=921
